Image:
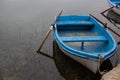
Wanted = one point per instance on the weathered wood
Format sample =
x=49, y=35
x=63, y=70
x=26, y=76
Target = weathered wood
x=98, y=20
x=102, y=13
x=47, y=34
x=107, y=10
x=104, y=24
x=44, y=39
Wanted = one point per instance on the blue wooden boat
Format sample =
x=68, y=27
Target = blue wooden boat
x=116, y=4
x=85, y=40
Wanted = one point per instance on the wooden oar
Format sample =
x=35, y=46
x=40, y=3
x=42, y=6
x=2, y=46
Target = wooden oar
x=47, y=34
x=105, y=25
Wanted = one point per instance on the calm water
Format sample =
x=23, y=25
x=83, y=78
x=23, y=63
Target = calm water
x=23, y=24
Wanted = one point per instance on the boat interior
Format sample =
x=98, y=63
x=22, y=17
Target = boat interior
x=83, y=35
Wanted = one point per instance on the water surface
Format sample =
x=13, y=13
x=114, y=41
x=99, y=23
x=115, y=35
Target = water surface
x=23, y=24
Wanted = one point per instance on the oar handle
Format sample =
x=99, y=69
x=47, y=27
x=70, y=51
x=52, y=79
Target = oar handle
x=105, y=25
x=57, y=18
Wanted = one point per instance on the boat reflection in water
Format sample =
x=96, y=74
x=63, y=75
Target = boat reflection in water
x=72, y=70
x=114, y=18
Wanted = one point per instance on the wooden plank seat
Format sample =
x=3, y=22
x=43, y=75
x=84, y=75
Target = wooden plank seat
x=84, y=39
x=81, y=23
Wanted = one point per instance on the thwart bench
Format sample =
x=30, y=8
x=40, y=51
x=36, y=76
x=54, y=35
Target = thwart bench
x=84, y=39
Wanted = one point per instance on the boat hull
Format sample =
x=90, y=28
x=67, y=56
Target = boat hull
x=83, y=39
x=116, y=10
x=92, y=65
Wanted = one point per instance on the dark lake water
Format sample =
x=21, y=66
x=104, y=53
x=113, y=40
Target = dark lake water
x=23, y=24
